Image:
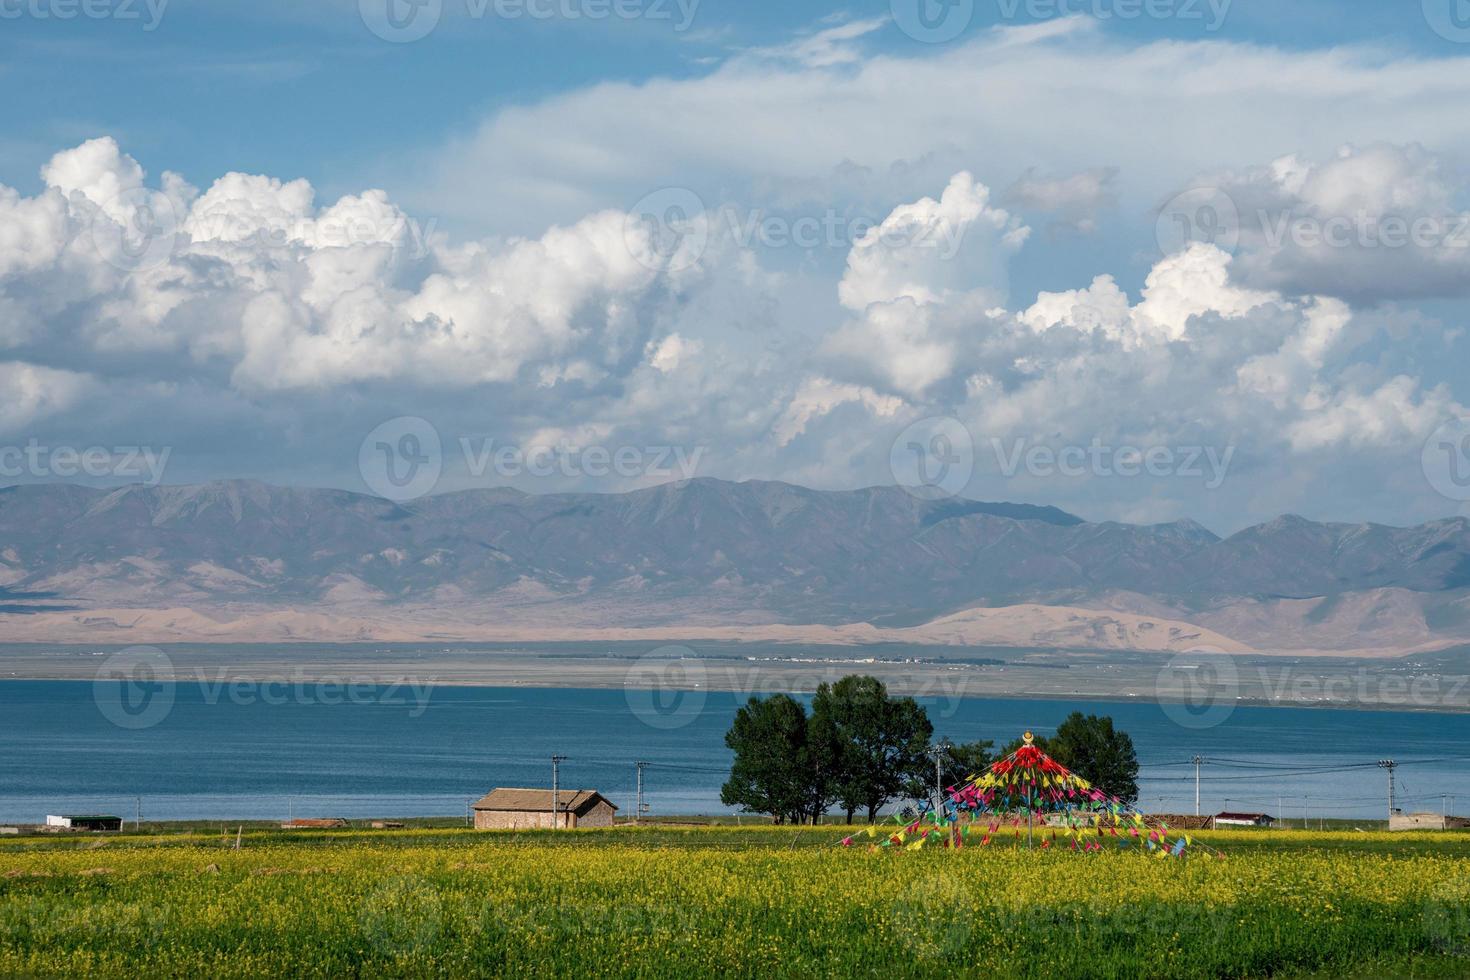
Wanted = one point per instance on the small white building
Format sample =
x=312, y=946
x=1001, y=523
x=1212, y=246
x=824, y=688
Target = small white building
x=1228, y=819
x=1426, y=821
x=88, y=821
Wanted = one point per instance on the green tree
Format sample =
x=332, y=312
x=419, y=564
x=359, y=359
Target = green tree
x=1094, y=749
x=877, y=742
x=824, y=762
x=772, y=769
x=1103, y=755
x=969, y=759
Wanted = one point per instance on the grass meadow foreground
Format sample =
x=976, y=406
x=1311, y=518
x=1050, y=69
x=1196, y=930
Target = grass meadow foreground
x=723, y=900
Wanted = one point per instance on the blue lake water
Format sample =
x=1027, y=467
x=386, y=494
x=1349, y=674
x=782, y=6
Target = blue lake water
x=382, y=753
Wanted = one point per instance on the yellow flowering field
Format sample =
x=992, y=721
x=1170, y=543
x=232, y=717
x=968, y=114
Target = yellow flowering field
x=727, y=901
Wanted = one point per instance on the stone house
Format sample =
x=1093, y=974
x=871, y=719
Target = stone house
x=508, y=808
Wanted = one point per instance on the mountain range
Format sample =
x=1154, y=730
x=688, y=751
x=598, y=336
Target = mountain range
x=241, y=560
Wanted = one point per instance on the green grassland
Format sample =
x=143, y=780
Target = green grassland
x=721, y=900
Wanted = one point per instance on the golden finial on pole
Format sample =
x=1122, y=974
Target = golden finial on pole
x=1028, y=738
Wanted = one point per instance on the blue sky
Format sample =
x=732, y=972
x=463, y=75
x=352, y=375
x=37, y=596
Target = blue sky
x=306, y=89
x=498, y=174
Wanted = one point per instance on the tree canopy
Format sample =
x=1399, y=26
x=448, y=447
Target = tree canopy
x=1094, y=749
x=771, y=772
x=878, y=742
x=970, y=759
x=860, y=748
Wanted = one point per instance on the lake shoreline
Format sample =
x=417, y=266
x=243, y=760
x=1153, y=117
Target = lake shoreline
x=203, y=750
x=944, y=684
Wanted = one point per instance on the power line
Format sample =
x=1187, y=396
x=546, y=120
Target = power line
x=1289, y=774
x=1261, y=764
x=684, y=768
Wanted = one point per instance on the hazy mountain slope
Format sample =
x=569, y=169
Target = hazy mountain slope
x=1010, y=626
x=813, y=556
x=710, y=552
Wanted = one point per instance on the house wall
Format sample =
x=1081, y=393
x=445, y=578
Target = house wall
x=1426, y=821
x=599, y=816
x=100, y=825
x=520, y=820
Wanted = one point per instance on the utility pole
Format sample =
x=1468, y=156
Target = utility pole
x=138, y=813
x=638, y=810
x=1390, y=765
x=556, y=762
x=1197, y=761
x=939, y=750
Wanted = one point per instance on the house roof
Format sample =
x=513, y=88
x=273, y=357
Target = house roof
x=1244, y=816
x=577, y=801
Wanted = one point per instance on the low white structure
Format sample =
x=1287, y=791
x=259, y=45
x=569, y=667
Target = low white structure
x=1426, y=821
x=1228, y=819
x=88, y=821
